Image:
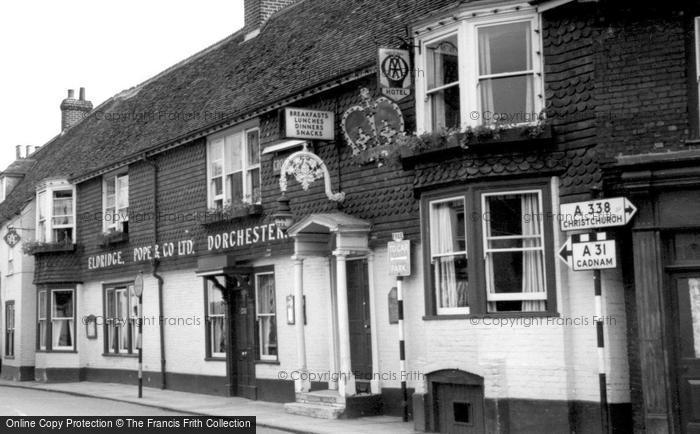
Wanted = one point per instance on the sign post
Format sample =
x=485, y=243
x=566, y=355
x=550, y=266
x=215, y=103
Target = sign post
x=138, y=291
x=595, y=251
x=400, y=266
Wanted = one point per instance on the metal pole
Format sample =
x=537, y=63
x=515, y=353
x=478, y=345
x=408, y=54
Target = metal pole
x=402, y=348
x=139, y=339
x=597, y=285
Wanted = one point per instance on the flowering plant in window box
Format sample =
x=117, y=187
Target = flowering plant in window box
x=231, y=211
x=34, y=247
x=113, y=236
x=412, y=145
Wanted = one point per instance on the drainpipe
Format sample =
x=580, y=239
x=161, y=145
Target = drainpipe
x=155, y=263
x=161, y=323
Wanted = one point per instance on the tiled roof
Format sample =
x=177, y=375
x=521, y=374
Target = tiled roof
x=19, y=167
x=302, y=47
x=578, y=169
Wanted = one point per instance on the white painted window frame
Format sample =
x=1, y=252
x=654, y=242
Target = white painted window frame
x=513, y=296
x=466, y=29
x=697, y=59
x=211, y=289
x=465, y=310
x=48, y=191
x=44, y=318
x=245, y=167
x=112, y=222
x=259, y=315
x=53, y=318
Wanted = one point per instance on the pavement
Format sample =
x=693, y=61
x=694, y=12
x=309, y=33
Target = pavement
x=268, y=414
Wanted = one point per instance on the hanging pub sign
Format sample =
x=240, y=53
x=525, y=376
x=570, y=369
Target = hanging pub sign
x=395, y=80
x=301, y=123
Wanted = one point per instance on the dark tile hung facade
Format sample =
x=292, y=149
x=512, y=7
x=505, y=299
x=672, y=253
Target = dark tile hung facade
x=304, y=314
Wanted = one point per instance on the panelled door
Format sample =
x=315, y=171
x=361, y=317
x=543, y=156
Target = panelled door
x=244, y=345
x=360, y=325
x=687, y=309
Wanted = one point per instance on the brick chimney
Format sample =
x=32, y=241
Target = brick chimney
x=257, y=12
x=74, y=110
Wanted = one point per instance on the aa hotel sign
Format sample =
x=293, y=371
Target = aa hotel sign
x=394, y=73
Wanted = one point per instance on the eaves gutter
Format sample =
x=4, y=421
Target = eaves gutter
x=368, y=70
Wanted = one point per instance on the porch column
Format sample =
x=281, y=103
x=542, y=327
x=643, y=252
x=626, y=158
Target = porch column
x=346, y=385
x=301, y=384
x=375, y=383
x=333, y=327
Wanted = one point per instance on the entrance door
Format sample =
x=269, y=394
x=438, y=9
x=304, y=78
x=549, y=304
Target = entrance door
x=460, y=408
x=244, y=345
x=688, y=344
x=360, y=326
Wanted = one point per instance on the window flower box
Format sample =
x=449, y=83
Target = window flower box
x=486, y=138
x=113, y=237
x=228, y=213
x=38, y=247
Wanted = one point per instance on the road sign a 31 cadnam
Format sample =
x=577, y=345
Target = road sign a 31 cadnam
x=593, y=251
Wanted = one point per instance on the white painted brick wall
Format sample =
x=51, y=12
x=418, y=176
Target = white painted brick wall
x=18, y=286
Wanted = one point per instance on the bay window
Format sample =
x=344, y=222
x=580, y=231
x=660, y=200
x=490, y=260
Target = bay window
x=499, y=259
x=215, y=321
x=56, y=319
x=233, y=168
x=484, y=69
x=115, y=203
x=121, y=314
x=266, y=319
x=55, y=212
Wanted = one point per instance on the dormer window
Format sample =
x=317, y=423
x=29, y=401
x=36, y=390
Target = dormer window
x=115, y=202
x=56, y=212
x=485, y=69
x=233, y=168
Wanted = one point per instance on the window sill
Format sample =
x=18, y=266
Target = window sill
x=125, y=355
x=477, y=316
x=39, y=248
x=267, y=362
x=514, y=139
x=215, y=359
x=9, y=357
x=58, y=351
x=211, y=218
x=110, y=239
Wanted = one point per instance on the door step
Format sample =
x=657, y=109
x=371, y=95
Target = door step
x=320, y=397
x=328, y=404
x=319, y=411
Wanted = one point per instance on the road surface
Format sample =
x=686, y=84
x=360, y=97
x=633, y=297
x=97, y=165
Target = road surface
x=16, y=401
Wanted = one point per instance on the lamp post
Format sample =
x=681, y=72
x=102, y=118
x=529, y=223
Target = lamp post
x=138, y=291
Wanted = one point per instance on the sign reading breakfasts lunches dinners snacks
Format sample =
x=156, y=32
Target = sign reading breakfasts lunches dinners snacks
x=301, y=123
